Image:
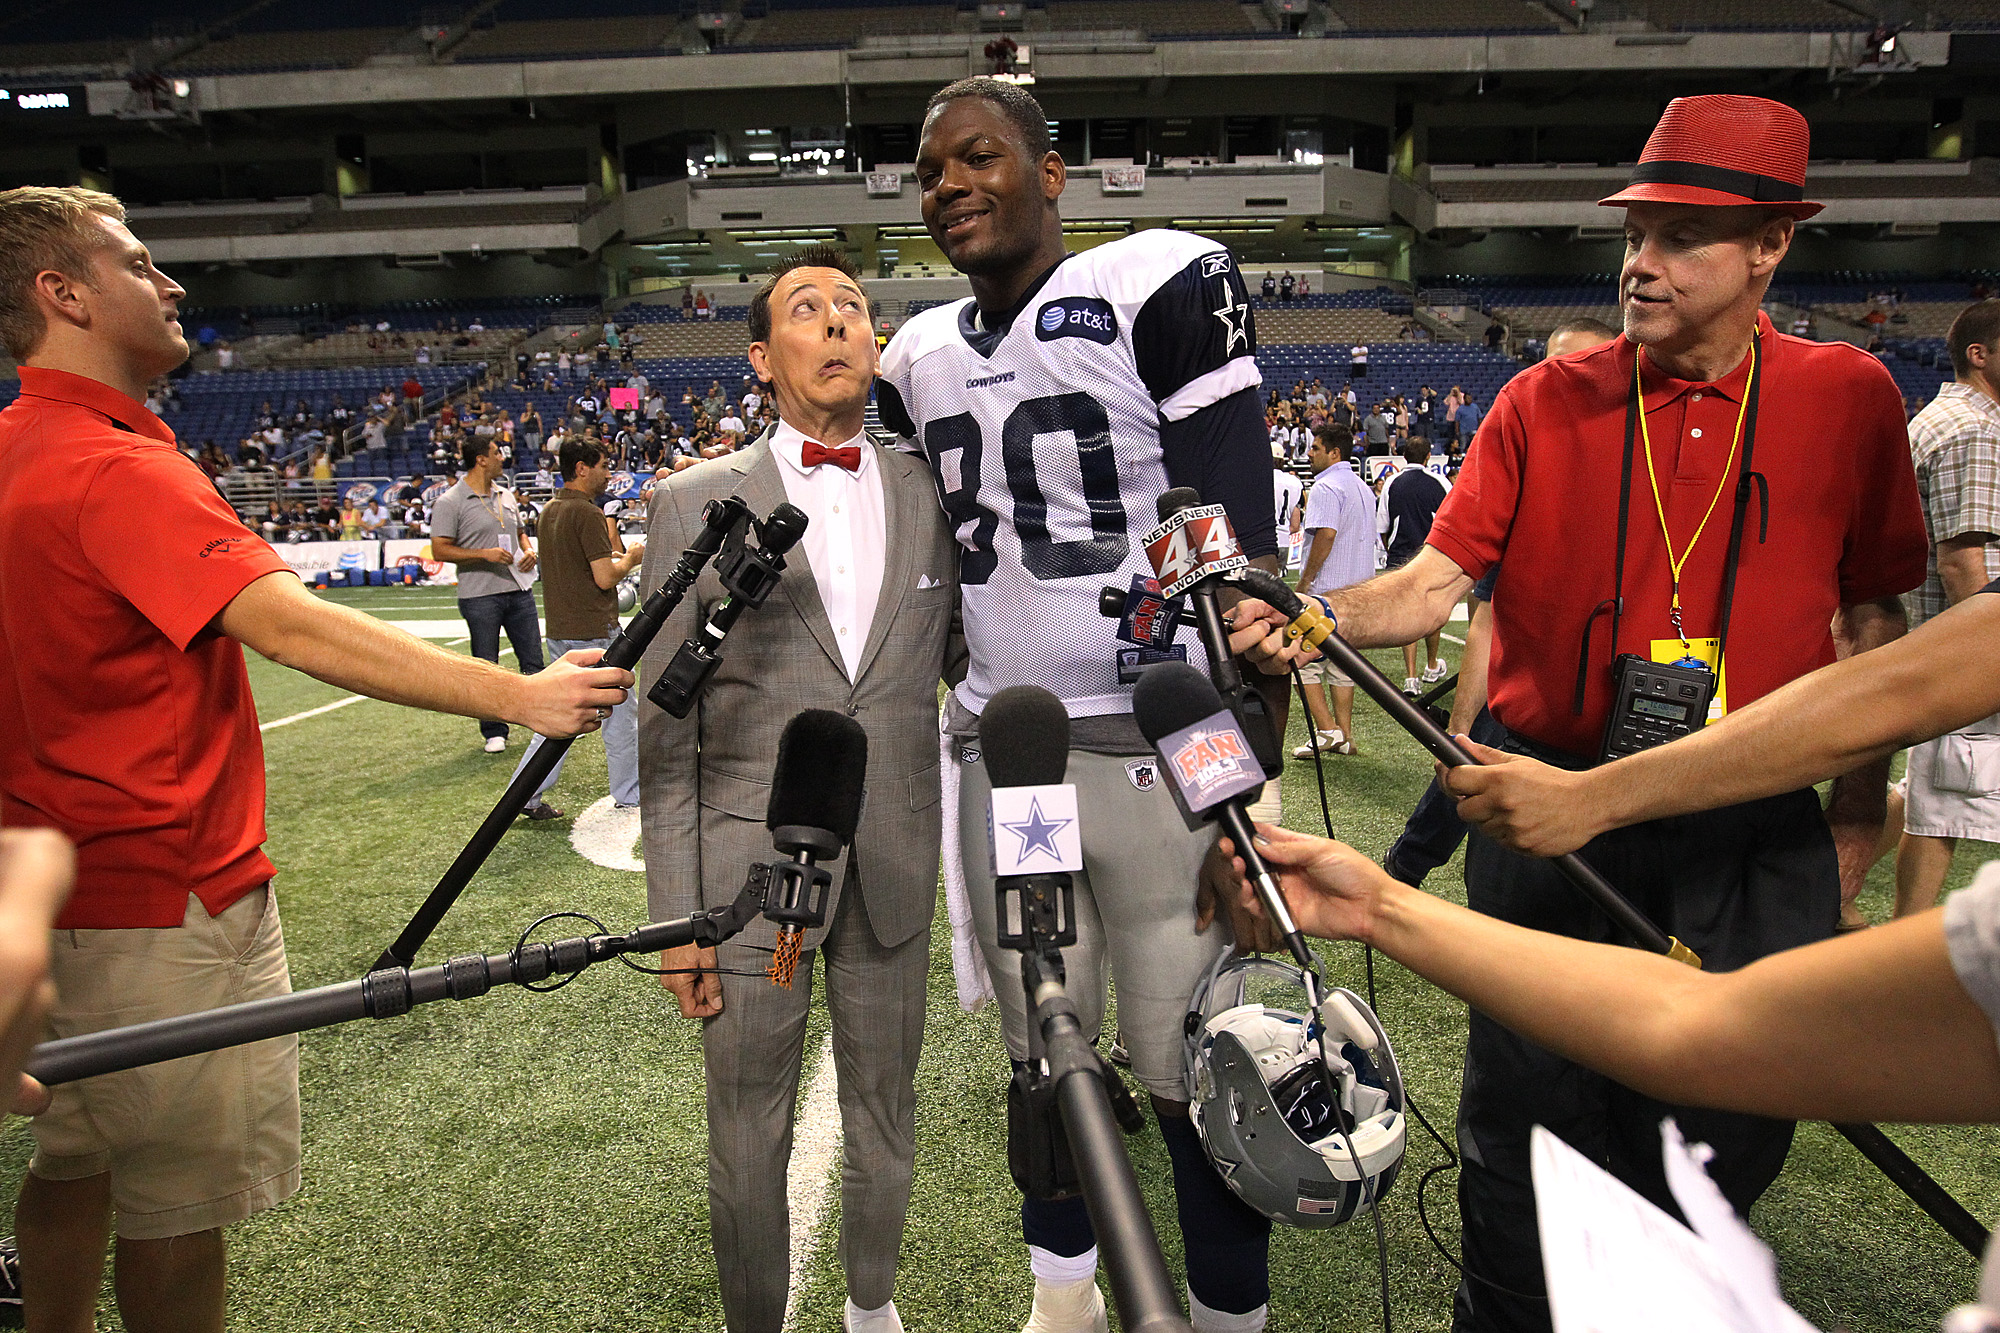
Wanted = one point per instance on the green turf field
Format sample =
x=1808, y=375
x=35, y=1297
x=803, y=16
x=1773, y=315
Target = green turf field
x=531, y=1161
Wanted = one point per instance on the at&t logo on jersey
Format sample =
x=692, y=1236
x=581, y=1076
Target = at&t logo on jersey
x=1078, y=317
x=1192, y=545
x=1210, y=762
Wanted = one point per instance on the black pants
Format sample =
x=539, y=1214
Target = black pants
x=515, y=613
x=1434, y=829
x=1734, y=885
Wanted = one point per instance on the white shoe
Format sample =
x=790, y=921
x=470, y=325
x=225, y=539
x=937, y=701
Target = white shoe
x=884, y=1320
x=1435, y=672
x=495, y=744
x=1067, y=1307
x=1411, y=685
x=1316, y=741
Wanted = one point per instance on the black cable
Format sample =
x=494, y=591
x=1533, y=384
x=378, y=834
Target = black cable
x=1450, y=1162
x=564, y=978
x=623, y=958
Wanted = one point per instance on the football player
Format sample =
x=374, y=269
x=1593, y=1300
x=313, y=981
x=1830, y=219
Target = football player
x=1056, y=406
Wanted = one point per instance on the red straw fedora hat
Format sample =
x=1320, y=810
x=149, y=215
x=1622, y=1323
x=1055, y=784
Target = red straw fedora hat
x=1724, y=150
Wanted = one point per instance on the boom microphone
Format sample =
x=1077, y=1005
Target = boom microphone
x=748, y=575
x=1210, y=767
x=1310, y=624
x=816, y=792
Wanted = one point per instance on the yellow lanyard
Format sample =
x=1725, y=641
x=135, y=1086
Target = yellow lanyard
x=1676, y=564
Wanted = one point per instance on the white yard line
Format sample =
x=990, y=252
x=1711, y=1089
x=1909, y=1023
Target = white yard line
x=311, y=712
x=337, y=703
x=809, y=1183
x=1455, y=639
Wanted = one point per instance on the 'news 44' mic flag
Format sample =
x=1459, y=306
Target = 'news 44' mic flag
x=1150, y=620
x=1209, y=763
x=1034, y=830
x=1192, y=545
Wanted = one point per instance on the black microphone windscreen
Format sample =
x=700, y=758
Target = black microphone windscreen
x=1111, y=602
x=1268, y=586
x=783, y=529
x=1024, y=734
x=1170, y=696
x=820, y=775
x=1177, y=499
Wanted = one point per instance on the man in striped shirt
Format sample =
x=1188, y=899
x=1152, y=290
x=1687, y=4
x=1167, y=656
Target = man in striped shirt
x=1954, y=780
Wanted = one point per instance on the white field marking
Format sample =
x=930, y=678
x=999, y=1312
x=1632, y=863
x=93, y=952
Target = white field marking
x=1455, y=639
x=1458, y=612
x=311, y=712
x=809, y=1182
x=429, y=629
x=340, y=703
x=607, y=836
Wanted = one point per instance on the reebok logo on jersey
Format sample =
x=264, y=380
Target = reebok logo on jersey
x=1077, y=317
x=1213, y=265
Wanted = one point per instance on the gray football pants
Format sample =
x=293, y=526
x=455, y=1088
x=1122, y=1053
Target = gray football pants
x=1135, y=901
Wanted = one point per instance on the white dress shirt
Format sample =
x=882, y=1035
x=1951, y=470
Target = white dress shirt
x=847, y=539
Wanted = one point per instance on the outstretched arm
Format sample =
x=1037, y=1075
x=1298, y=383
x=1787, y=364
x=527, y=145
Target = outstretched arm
x=1798, y=1034
x=280, y=619
x=1830, y=722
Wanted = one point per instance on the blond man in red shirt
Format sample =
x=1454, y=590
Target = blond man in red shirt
x=127, y=589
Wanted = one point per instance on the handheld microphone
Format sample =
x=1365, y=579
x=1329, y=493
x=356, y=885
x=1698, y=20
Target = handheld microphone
x=1191, y=550
x=1032, y=831
x=1209, y=765
x=1112, y=604
x=748, y=575
x=816, y=794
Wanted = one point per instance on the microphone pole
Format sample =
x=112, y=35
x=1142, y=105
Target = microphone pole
x=1316, y=629
x=384, y=993
x=1024, y=733
x=721, y=520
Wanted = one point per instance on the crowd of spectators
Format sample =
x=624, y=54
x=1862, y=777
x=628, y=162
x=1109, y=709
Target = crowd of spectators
x=1381, y=426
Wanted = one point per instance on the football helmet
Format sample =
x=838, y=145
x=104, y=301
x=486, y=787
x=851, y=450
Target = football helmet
x=1301, y=1110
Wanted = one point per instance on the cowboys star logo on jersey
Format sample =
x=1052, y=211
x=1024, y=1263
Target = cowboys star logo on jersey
x=1063, y=443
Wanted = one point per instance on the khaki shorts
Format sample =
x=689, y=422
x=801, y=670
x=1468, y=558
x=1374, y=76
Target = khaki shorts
x=1954, y=785
x=190, y=1144
x=1320, y=670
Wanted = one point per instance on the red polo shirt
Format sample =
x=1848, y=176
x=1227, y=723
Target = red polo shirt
x=124, y=720
x=1540, y=486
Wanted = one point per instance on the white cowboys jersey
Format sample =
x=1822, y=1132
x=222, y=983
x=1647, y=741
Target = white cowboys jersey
x=1044, y=436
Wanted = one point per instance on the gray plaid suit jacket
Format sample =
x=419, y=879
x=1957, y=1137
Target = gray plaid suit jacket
x=705, y=781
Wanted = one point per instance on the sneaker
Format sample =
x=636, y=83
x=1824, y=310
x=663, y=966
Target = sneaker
x=539, y=810
x=1435, y=672
x=495, y=744
x=858, y=1320
x=1412, y=686
x=1067, y=1307
x=1119, y=1055
x=620, y=805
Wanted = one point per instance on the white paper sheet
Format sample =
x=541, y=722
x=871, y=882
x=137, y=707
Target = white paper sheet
x=1616, y=1263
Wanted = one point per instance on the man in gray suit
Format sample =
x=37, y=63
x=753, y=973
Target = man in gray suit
x=862, y=622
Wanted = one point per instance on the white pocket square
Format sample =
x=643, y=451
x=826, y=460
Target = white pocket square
x=926, y=581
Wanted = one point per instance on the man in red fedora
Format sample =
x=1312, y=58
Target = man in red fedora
x=1704, y=493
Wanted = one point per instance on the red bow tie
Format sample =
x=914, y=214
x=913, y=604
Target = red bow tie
x=846, y=456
